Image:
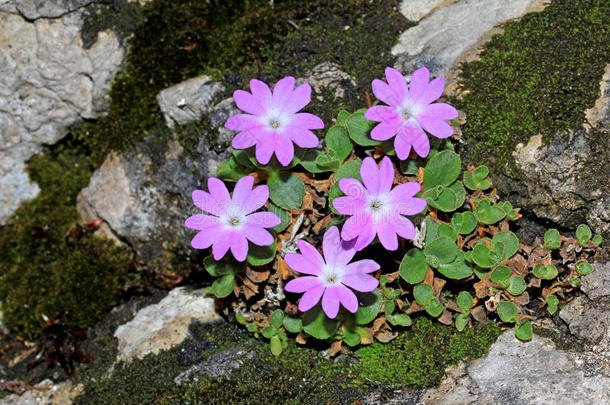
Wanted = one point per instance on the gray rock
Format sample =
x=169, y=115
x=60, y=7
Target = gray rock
x=587, y=319
x=448, y=32
x=47, y=83
x=415, y=10
x=328, y=76
x=189, y=100
x=597, y=284
x=220, y=364
x=515, y=372
x=599, y=114
x=47, y=393
x=165, y=324
x=34, y=9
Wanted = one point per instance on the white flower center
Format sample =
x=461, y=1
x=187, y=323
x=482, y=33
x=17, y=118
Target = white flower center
x=234, y=218
x=275, y=121
x=409, y=110
x=331, y=275
x=378, y=205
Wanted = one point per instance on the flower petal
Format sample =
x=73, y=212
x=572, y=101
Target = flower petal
x=284, y=149
x=386, y=234
x=436, y=127
x=419, y=140
x=359, y=227
x=248, y=103
x=360, y=282
x=348, y=205
x=306, y=120
x=239, y=246
x=219, y=191
x=221, y=244
x=353, y=188
x=369, y=172
x=311, y=254
x=330, y=302
x=207, y=203
x=419, y=83
x=301, y=96
x=311, y=298
x=336, y=251
x=201, y=222
x=257, y=235
x=404, y=192
x=386, y=175
x=305, y=263
x=397, y=83
x=386, y=129
x=244, y=139
x=410, y=206
x=380, y=113
x=302, y=137
x=433, y=91
x=440, y=111
x=243, y=189
x=263, y=219
x=264, y=149
x=262, y=93
x=384, y=93
x=282, y=91
x=302, y=284
x=346, y=297
x=403, y=227
x=402, y=144
x=361, y=267
x=257, y=198
x=204, y=239
x=242, y=122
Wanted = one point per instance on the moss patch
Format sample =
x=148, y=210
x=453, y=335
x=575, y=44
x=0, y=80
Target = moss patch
x=539, y=76
x=45, y=270
x=418, y=358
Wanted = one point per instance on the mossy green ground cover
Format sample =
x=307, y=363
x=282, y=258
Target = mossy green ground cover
x=416, y=359
x=538, y=77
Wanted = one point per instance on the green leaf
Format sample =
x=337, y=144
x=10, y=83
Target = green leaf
x=370, y=305
x=442, y=169
x=456, y=270
x=411, y=166
x=464, y=223
x=478, y=179
x=464, y=301
x=399, y=320
x=447, y=231
x=224, y=266
x=259, y=255
x=268, y=332
x=461, y=321
x=293, y=324
x=547, y=272
x=434, y=308
x=239, y=317
x=583, y=235
x=501, y=276
x=359, y=129
x=276, y=345
x=446, y=199
x=524, y=331
x=552, y=239
x=488, y=214
x=413, y=266
x=286, y=190
x=231, y=170
x=507, y=207
x=223, y=286
x=443, y=248
x=583, y=268
x=350, y=170
x=509, y=241
x=342, y=116
x=423, y=294
x=350, y=336
x=277, y=318
x=552, y=303
x=507, y=311
x=310, y=162
x=597, y=239
x=284, y=216
x=481, y=256
x=516, y=285
x=318, y=325
x=338, y=141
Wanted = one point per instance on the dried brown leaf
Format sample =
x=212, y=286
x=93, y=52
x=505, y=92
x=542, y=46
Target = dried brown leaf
x=446, y=317
x=335, y=348
x=479, y=314
x=257, y=276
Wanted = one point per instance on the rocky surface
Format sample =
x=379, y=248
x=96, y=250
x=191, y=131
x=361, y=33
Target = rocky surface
x=451, y=29
x=220, y=364
x=328, y=76
x=48, y=81
x=45, y=393
x=165, y=324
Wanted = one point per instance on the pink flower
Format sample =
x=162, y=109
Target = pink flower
x=330, y=277
x=409, y=111
x=376, y=208
x=232, y=221
x=273, y=122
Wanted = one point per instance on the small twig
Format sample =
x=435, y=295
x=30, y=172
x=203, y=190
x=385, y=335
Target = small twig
x=294, y=25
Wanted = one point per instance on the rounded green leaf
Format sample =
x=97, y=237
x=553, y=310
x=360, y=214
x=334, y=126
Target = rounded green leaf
x=507, y=311
x=478, y=179
x=456, y=270
x=583, y=234
x=413, y=266
x=501, y=276
x=276, y=345
x=277, y=318
x=318, y=325
x=231, y=170
x=552, y=239
x=481, y=256
x=464, y=223
x=310, y=162
x=224, y=266
x=259, y=255
x=423, y=294
x=489, y=214
x=442, y=169
x=597, y=239
x=293, y=324
x=338, y=141
x=547, y=272
x=350, y=336
x=509, y=241
x=447, y=231
x=442, y=248
x=286, y=190
x=284, y=216
x=342, y=116
x=583, y=268
x=516, y=285
x=524, y=331
x=223, y=286
x=399, y=320
x=268, y=332
x=461, y=321
x=434, y=308
x=464, y=301
x=370, y=305
x=552, y=303
x=359, y=129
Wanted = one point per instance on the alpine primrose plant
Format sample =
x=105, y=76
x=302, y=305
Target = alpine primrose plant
x=457, y=260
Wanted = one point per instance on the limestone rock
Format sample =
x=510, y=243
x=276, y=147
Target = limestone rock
x=220, y=364
x=448, y=32
x=415, y=10
x=189, y=100
x=328, y=76
x=597, y=284
x=165, y=324
x=46, y=393
x=48, y=81
x=587, y=319
x=599, y=114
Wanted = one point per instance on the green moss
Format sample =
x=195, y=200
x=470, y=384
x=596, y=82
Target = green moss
x=45, y=271
x=539, y=76
x=418, y=358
